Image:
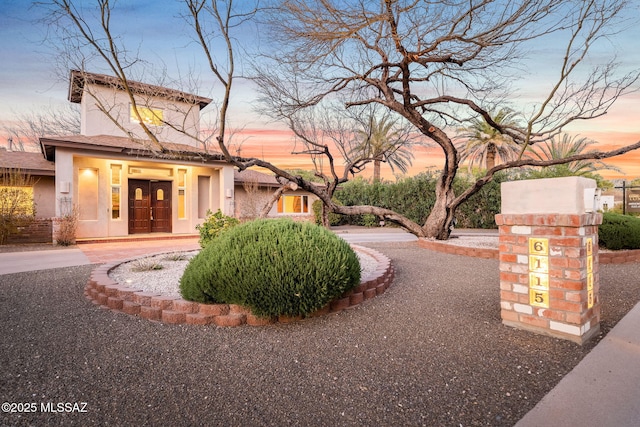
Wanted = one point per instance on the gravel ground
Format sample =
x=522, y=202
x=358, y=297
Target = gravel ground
x=430, y=351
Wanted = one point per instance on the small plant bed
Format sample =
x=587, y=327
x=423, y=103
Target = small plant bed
x=274, y=267
x=111, y=287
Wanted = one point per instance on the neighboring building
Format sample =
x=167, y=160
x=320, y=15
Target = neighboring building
x=41, y=174
x=605, y=203
x=123, y=184
x=254, y=190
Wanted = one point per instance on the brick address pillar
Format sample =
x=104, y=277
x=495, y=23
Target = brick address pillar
x=549, y=277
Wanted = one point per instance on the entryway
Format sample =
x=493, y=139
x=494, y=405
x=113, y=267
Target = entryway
x=149, y=206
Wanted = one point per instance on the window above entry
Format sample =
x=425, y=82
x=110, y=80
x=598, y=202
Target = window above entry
x=150, y=116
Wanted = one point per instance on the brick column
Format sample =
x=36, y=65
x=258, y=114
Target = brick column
x=549, y=276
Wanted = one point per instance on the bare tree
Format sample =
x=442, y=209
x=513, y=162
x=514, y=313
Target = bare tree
x=434, y=64
x=82, y=36
x=30, y=126
x=16, y=201
x=438, y=64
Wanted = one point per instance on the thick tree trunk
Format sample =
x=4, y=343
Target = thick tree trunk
x=438, y=223
x=325, y=216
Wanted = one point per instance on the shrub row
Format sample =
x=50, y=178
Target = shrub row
x=619, y=231
x=414, y=198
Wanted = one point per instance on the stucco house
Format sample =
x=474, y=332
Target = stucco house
x=117, y=177
x=254, y=189
x=123, y=184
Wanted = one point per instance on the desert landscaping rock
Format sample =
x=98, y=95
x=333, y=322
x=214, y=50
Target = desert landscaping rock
x=165, y=280
x=431, y=351
x=118, y=285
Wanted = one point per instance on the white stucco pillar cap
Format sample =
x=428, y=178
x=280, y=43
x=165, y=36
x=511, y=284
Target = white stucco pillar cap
x=549, y=195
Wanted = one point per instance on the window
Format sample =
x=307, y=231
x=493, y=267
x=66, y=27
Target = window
x=116, y=179
x=204, y=190
x=150, y=116
x=115, y=203
x=293, y=204
x=88, y=193
x=16, y=200
x=182, y=193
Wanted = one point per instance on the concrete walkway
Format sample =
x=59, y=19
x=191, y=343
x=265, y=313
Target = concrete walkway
x=17, y=262
x=89, y=253
x=603, y=390
x=109, y=251
x=371, y=235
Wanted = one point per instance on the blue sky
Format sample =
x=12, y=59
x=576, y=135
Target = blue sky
x=27, y=76
x=28, y=79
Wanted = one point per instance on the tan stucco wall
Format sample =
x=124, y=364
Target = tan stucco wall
x=68, y=168
x=44, y=196
x=250, y=204
x=95, y=122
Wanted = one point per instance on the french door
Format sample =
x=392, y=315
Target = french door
x=149, y=206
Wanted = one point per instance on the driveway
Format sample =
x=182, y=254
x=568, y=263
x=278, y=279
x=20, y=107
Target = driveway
x=430, y=351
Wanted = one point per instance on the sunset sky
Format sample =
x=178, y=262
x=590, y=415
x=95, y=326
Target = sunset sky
x=28, y=81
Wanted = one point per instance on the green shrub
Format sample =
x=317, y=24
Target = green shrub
x=214, y=225
x=274, y=267
x=481, y=208
x=619, y=232
x=414, y=198
x=370, y=220
x=334, y=218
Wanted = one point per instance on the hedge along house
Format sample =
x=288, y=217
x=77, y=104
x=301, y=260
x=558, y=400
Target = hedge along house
x=121, y=181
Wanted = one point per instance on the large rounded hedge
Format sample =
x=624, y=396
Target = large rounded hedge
x=274, y=267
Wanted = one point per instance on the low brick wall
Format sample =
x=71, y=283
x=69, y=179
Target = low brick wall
x=38, y=230
x=105, y=292
x=447, y=248
x=617, y=257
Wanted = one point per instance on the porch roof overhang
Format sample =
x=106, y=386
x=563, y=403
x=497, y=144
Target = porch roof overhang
x=129, y=147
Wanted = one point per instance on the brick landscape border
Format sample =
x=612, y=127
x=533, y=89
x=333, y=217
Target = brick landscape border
x=103, y=291
x=447, y=248
x=615, y=257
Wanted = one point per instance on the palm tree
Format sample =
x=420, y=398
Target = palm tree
x=564, y=147
x=382, y=141
x=483, y=144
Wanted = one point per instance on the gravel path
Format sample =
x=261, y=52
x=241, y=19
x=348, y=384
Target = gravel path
x=430, y=351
